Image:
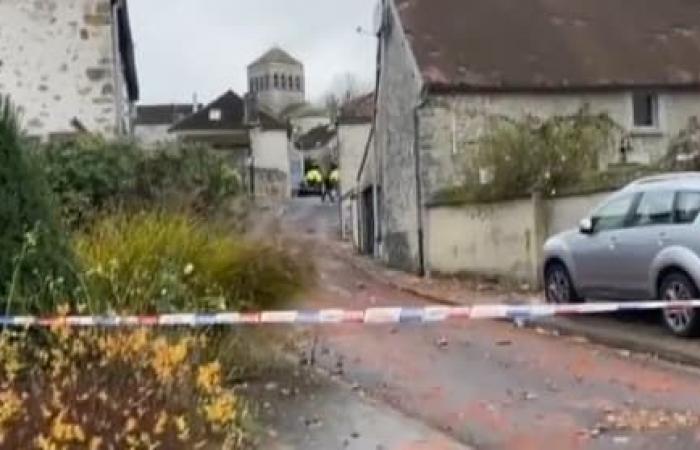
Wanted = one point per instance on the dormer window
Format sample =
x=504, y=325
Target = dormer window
x=215, y=115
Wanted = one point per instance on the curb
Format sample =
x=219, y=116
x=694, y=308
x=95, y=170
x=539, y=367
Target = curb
x=595, y=334
x=391, y=283
x=605, y=337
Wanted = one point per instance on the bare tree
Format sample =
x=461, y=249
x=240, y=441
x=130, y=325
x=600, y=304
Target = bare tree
x=344, y=88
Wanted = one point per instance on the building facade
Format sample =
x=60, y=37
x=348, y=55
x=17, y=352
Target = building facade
x=277, y=80
x=69, y=65
x=153, y=122
x=447, y=70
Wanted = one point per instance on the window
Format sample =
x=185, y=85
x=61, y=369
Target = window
x=298, y=83
x=277, y=81
x=646, y=110
x=267, y=81
x=688, y=207
x=284, y=82
x=613, y=215
x=215, y=115
x=291, y=83
x=255, y=84
x=655, y=208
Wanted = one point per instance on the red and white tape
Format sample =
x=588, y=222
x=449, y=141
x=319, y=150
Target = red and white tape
x=407, y=315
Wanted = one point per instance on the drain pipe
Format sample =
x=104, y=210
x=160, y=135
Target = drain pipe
x=419, y=188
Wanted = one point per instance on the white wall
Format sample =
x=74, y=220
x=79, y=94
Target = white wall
x=483, y=239
x=270, y=149
x=56, y=63
x=150, y=135
x=503, y=238
x=353, y=141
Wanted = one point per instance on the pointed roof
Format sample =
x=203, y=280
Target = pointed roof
x=231, y=116
x=276, y=55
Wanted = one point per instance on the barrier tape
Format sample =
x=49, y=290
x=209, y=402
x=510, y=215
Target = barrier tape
x=427, y=315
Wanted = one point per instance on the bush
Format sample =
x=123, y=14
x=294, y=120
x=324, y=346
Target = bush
x=517, y=157
x=34, y=251
x=115, y=389
x=161, y=262
x=91, y=176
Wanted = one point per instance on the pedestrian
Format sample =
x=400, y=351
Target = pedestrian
x=327, y=189
x=314, y=179
x=334, y=179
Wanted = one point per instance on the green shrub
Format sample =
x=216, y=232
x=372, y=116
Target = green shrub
x=515, y=158
x=91, y=176
x=34, y=254
x=160, y=262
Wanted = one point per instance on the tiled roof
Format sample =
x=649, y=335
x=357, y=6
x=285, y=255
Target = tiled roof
x=276, y=55
x=162, y=114
x=554, y=44
x=229, y=108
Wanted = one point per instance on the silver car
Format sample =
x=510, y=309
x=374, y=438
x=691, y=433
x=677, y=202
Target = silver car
x=643, y=243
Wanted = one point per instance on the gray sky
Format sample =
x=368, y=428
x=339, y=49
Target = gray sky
x=185, y=46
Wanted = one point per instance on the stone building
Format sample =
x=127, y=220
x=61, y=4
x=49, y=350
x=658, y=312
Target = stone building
x=277, y=80
x=354, y=124
x=253, y=141
x=69, y=65
x=448, y=67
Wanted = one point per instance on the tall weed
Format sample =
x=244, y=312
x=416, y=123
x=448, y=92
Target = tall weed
x=164, y=262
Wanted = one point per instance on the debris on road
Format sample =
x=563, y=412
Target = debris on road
x=650, y=420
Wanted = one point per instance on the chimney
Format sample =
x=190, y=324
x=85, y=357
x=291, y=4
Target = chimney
x=195, y=103
x=251, y=109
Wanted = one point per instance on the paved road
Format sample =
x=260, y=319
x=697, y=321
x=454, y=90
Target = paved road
x=490, y=385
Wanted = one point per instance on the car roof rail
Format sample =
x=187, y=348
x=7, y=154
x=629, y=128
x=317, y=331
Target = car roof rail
x=666, y=177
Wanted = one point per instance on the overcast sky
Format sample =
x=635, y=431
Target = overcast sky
x=204, y=46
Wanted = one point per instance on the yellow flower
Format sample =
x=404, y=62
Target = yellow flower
x=63, y=431
x=159, y=428
x=95, y=443
x=130, y=425
x=167, y=359
x=183, y=430
x=221, y=410
x=209, y=377
x=10, y=407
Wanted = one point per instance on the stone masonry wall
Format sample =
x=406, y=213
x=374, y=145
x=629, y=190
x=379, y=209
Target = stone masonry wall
x=57, y=63
x=451, y=125
x=398, y=94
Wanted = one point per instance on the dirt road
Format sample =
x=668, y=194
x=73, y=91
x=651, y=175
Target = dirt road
x=488, y=384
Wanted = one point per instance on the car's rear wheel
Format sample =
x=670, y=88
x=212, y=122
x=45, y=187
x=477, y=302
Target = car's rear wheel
x=684, y=322
x=558, y=286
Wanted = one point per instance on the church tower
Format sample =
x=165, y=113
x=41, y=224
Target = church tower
x=277, y=80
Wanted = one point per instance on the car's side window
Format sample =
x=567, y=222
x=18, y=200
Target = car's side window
x=614, y=214
x=687, y=207
x=654, y=208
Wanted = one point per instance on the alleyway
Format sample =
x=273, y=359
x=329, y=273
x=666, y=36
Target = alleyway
x=488, y=384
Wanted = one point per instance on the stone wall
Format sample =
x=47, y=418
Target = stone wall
x=57, y=63
x=451, y=125
x=399, y=87
x=503, y=239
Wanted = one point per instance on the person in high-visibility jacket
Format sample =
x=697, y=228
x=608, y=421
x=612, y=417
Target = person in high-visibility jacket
x=330, y=186
x=313, y=177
